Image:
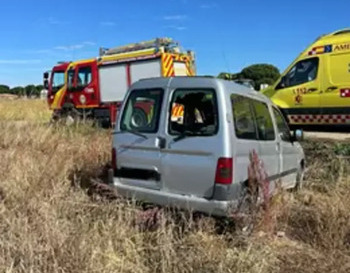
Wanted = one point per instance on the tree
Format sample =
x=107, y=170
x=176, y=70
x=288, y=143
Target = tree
x=259, y=73
x=30, y=90
x=38, y=88
x=4, y=89
x=228, y=76
x=18, y=90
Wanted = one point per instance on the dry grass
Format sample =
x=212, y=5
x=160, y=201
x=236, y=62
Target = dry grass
x=24, y=110
x=46, y=225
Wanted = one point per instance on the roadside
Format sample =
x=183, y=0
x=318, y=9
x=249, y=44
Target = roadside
x=328, y=136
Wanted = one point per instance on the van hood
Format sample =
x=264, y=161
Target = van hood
x=268, y=92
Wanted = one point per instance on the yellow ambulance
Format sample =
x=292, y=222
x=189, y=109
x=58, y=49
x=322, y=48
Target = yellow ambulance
x=315, y=88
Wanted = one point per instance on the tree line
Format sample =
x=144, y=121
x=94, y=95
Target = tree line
x=258, y=73
x=26, y=91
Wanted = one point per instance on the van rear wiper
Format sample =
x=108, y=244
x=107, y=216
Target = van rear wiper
x=184, y=135
x=131, y=132
x=201, y=132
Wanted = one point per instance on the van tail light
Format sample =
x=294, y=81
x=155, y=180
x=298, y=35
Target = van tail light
x=114, y=159
x=224, y=171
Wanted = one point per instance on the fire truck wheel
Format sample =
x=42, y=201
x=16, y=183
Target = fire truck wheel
x=139, y=118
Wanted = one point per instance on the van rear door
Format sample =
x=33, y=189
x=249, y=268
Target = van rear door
x=137, y=148
x=194, y=142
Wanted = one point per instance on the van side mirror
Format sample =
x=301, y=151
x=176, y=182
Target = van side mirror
x=46, y=75
x=298, y=135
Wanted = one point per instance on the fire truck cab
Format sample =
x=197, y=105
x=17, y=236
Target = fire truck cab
x=96, y=87
x=54, y=83
x=315, y=88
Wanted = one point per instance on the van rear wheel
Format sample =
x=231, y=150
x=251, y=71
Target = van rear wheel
x=248, y=210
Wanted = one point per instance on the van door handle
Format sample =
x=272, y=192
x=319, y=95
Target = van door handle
x=278, y=147
x=160, y=142
x=331, y=88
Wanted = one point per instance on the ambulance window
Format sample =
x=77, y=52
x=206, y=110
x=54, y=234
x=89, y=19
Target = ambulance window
x=302, y=72
x=193, y=112
x=84, y=76
x=243, y=117
x=264, y=122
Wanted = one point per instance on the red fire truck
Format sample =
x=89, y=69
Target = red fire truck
x=54, y=83
x=96, y=87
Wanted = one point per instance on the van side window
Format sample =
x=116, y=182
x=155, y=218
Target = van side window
x=302, y=72
x=282, y=126
x=193, y=112
x=243, y=117
x=142, y=111
x=264, y=122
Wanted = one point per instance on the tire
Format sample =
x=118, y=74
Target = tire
x=139, y=118
x=299, y=180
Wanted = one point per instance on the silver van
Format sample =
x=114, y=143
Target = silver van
x=186, y=141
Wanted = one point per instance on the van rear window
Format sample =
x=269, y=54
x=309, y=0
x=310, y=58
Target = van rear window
x=193, y=112
x=142, y=111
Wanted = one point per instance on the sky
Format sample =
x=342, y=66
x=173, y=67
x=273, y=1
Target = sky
x=226, y=35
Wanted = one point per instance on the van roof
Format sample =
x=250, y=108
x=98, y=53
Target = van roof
x=202, y=82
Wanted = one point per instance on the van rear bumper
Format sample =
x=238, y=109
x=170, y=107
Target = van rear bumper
x=187, y=202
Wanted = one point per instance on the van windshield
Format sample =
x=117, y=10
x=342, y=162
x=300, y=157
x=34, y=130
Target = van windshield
x=142, y=111
x=193, y=112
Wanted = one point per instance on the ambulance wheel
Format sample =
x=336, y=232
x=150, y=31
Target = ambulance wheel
x=139, y=118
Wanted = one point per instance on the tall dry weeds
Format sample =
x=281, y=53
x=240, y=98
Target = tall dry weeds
x=48, y=225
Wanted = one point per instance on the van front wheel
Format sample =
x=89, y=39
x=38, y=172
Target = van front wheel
x=299, y=180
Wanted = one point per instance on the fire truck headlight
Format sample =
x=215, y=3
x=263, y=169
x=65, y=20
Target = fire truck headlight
x=82, y=99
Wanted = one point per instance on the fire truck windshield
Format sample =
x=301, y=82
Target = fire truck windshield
x=57, y=80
